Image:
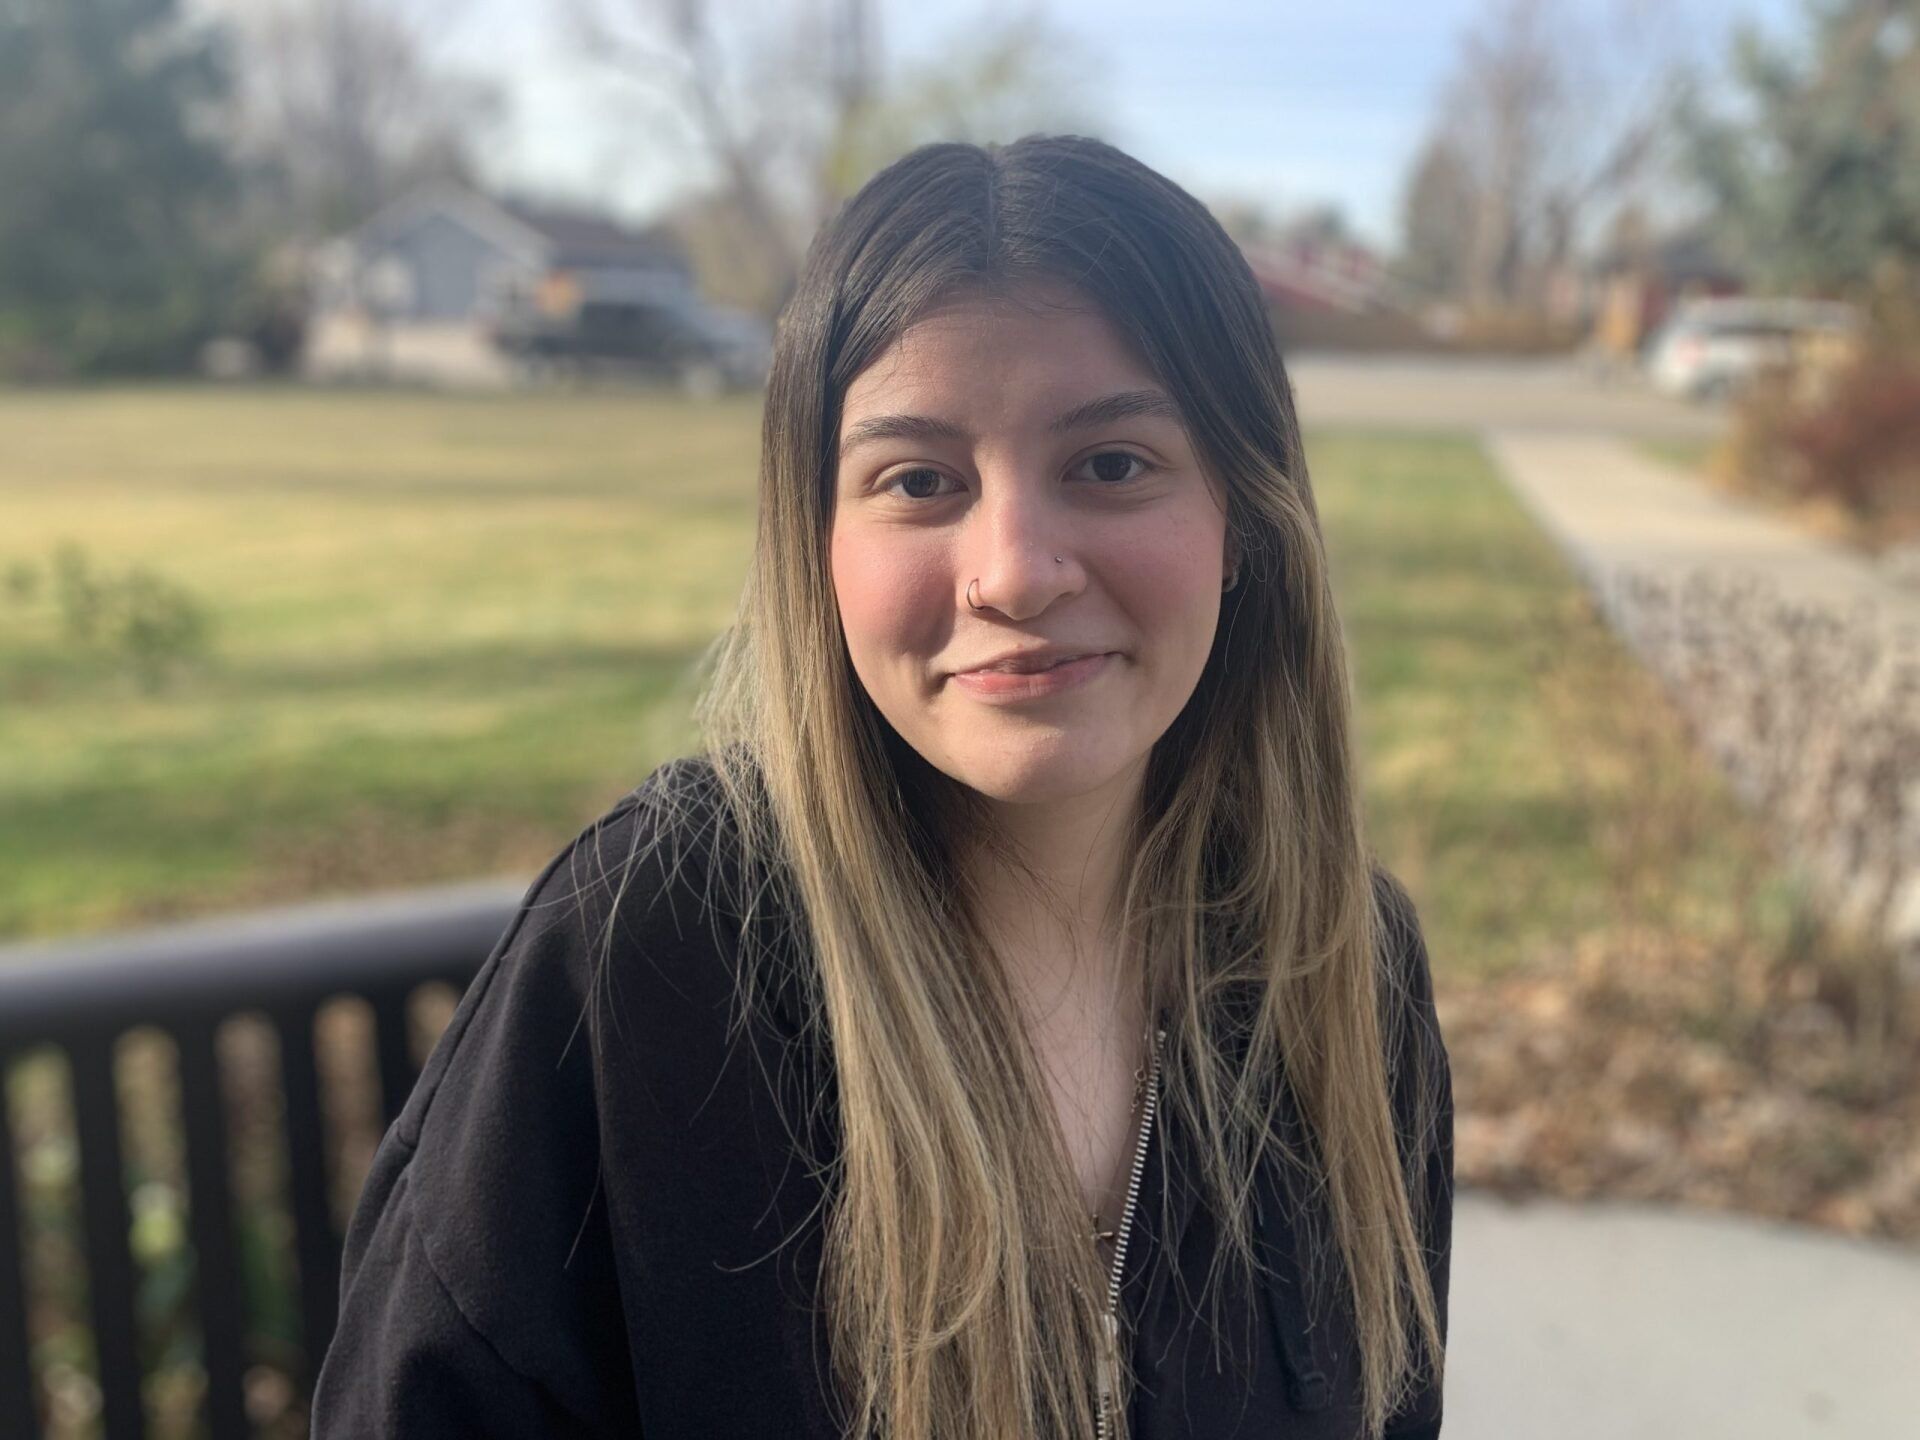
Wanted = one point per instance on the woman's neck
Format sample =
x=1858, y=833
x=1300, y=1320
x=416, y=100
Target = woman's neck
x=1061, y=939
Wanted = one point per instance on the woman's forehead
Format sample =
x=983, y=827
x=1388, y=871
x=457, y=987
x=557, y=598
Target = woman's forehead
x=981, y=344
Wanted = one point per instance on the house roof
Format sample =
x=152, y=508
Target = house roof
x=538, y=234
x=581, y=239
x=466, y=206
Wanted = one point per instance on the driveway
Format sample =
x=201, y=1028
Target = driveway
x=1623, y=1322
x=1457, y=394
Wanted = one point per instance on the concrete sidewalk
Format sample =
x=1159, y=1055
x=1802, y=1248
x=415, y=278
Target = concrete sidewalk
x=1620, y=1322
x=1612, y=508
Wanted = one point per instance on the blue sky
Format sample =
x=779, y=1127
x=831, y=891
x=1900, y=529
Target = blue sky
x=1284, y=102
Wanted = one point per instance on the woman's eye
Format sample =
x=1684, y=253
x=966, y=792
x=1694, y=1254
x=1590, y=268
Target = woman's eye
x=1114, y=471
x=914, y=483
x=1109, y=468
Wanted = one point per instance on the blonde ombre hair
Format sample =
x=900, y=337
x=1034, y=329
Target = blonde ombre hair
x=965, y=1298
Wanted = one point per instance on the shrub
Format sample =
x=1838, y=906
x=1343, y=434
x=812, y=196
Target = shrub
x=1862, y=446
x=138, y=617
x=1846, y=433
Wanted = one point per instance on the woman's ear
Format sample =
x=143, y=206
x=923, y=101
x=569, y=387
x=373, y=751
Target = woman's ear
x=1231, y=563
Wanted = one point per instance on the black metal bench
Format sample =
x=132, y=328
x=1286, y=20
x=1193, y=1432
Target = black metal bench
x=187, y=980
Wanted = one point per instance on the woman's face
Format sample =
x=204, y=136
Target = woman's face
x=1026, y=452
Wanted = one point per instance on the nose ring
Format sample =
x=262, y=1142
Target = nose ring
x=1058, y=560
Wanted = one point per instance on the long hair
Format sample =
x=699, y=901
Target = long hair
x=966, y=1301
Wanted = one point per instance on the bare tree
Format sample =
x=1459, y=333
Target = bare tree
x=1552, y=109
x=1001, y=78
x=726, y=98
x=343, y=105
x=790, y=106
x=1437, y=218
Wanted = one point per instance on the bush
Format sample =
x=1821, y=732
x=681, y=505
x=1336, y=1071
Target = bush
x=1862, y=445
x=137, y=617
x=269, y=310
x=1853, y=440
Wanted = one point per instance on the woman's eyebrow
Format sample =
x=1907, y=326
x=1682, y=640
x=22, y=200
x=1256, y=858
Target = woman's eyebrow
x=1121, y=405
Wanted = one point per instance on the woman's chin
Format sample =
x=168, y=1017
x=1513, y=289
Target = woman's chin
x=1038, y=778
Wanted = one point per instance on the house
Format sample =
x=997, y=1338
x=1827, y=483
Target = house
x=1326, y=291
x=449, y=286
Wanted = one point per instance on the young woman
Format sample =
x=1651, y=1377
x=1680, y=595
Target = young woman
x=1002, y=1028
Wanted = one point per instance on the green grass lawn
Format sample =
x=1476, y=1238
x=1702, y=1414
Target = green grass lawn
x=1443, y=583
x=449, y=630
x=1519, y=767
x=445, y=632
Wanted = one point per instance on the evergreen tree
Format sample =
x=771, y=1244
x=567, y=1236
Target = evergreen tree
x=1817, y=188
x=111, y=256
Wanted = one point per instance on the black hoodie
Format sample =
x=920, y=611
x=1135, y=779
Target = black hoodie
x=591, y=1219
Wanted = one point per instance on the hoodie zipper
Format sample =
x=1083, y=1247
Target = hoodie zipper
x=1149, y=1105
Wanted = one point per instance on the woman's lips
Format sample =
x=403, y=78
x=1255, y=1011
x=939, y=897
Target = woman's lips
x=1012, y=685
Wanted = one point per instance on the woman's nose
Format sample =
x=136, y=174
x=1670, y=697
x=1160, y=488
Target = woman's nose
x=1019, y=556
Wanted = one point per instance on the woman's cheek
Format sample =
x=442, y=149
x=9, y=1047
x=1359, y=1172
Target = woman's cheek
x=1169, y=579
x=889, y=600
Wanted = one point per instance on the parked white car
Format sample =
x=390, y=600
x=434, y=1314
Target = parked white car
x=1709, y=348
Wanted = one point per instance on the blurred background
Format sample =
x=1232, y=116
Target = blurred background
x=379, y=391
